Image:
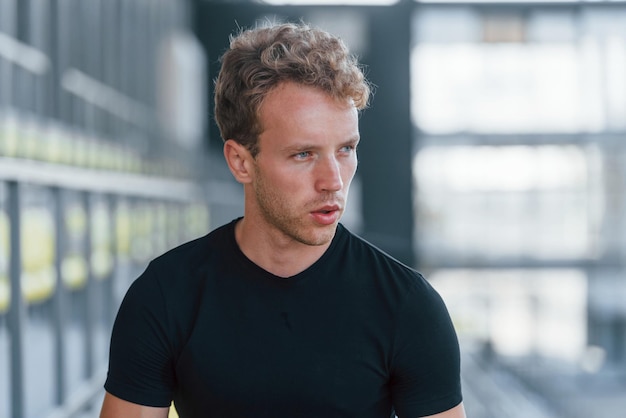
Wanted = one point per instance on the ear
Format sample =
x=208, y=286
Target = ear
x=239, y=161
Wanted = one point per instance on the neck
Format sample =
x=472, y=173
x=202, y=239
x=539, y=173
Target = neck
x=274, y=252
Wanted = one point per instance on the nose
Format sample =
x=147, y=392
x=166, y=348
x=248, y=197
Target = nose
x=329, y=175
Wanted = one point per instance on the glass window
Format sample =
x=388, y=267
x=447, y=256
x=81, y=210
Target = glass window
x=548, y=308
x=490, y=202
x=555, y=74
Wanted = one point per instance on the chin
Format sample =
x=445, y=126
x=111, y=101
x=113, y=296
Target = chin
x=318, y=237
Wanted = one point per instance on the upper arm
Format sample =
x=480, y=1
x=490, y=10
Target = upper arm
x=114, y=407
x=140, y=356
x=425, y=376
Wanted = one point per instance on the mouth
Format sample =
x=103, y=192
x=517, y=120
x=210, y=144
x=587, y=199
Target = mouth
x=326, y=215
x=327, y=209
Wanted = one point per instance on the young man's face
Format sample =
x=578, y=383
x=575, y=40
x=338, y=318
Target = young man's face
x=306, y=162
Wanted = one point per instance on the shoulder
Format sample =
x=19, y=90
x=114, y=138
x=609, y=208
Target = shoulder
x=389, y=272
x=365, y=251
x=172, y=282
x=170, y=290
x=190, y=259
x=194, y=252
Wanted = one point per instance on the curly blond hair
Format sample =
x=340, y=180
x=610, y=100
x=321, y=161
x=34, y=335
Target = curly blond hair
x=261, y=58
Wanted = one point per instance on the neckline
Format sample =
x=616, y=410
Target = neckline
x=256, y=270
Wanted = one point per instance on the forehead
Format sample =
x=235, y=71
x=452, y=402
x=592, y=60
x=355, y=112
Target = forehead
x=291, y=105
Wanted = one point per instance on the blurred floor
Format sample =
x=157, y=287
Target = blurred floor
x=491, y=391
x=537, y=388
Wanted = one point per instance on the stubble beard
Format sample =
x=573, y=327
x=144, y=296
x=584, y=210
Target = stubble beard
x=281, y=215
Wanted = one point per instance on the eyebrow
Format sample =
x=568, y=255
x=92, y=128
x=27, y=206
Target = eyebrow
x=308, y=146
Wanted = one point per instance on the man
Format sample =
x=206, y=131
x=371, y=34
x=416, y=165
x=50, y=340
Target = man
x=283, y=313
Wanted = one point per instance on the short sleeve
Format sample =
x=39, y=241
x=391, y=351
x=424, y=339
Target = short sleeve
x=140, y=363
x=426, y=360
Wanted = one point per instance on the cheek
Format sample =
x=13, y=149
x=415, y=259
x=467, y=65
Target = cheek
x=348, y=172
x=287, y=181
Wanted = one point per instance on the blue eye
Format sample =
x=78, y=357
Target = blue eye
x=302, y=155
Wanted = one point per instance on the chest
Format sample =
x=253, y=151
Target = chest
x=281, y=353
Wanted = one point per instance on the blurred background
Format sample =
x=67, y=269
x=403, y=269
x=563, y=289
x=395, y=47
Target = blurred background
x=493, y=159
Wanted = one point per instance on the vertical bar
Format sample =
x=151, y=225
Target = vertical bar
x=53, y=103
x=105, y=65
x=23, y=85
x=59, y=301
x=92, y=50
x=17, y=312
x=23, y=21
x=75, y=36
x=110, y=302
x=38, y=15
x=8, y=23
x=89, y=305
x=5, y=83
x=60, y=58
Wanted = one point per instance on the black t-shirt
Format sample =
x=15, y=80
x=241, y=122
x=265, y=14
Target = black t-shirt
x=357, y=334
